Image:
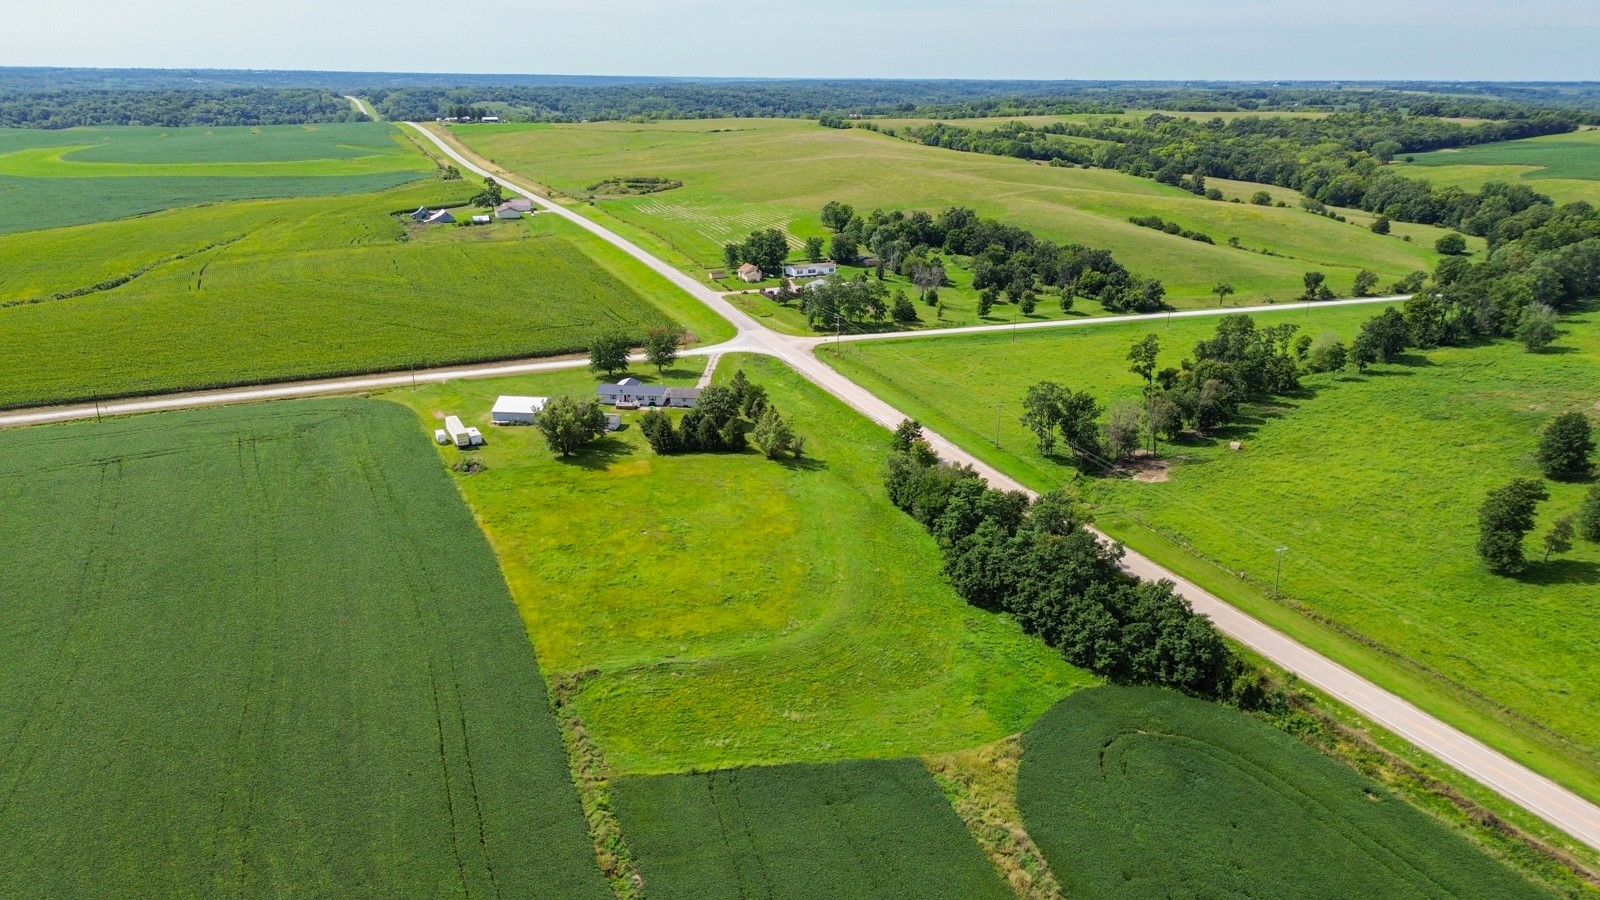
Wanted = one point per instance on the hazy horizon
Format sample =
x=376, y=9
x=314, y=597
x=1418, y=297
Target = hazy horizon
x=1232, y=40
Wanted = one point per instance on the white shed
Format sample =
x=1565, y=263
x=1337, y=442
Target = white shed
x=513, y=410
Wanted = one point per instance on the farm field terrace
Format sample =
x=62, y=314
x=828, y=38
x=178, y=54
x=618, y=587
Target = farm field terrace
x=1564, y=167
x=861, y=828
x=1373, y=482
x=730, y=610
x=743, y=174
x=279, y=289
x=1141, y=792
x=266, y=652
x=75, y=176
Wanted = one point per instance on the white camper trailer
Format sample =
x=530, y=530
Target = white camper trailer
x=460, y=435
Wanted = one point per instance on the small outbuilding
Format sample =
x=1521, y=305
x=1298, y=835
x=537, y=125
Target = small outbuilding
x=422, y=214
x=514, y=410
x=459, y=434
x=750, y=273
x=439, y=217
x=482, y=220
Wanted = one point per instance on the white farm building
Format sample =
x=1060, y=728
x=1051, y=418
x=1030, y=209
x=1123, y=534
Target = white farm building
x=513, y=410
x=809, y=269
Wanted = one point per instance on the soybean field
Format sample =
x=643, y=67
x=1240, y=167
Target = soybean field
x=1142, y=792
x=265, y=651
x=849, y=829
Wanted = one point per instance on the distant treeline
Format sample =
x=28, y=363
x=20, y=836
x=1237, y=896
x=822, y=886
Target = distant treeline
x=1339, y=160
x=170, y=108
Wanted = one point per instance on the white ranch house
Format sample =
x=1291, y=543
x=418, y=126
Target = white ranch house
x=631, y=393
x=810, y=269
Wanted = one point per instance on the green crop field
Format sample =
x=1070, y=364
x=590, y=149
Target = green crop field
x=876, y=829
x=1565, y=167
x=1139, y=792
x=1372, y=481
x=730, y=610
x=265, y=651
x=741, y=174
x=51, y=179
x=271, y=290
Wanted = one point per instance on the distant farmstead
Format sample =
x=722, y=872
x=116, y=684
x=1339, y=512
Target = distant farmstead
x=631, y=393
x=750, y=272
x=810, y=270
x=513, y=209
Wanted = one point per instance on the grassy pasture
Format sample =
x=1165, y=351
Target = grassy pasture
x=265, y=651
x=1565, y=167
x=1372, y=481
x=730, y=610
x=51, y=179
x=877, y=829
x=1139, y=792
x=748, y=173
x=280, y=289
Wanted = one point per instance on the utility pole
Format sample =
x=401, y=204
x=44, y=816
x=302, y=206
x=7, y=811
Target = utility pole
x=1276, y=579
x=97, y=407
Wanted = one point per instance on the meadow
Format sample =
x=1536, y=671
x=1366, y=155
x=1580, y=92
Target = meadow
x=282, y=289
x=1141, y=792
x=863, y=828
x=76, y=176
x=1564, y=167
x=721, y=610
x=742, y=174
x=1373, y=483
x=265, y=651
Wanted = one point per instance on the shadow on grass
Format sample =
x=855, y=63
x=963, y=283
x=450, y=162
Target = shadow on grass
x=1562, y=571
x=803, y=464
x=599, y=455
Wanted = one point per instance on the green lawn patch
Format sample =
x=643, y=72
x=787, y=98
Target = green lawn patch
x=868, y=829
x=1373, y=482
x=274, y=290
x=265, y=651
x=743, y=174
x=1140, y=792
x=730, y=610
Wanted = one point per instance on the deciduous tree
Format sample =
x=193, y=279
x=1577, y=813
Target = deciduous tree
x=608, y=352
x=1536, y=328
x=814, y=246
x=1559, y=538
x=1504, y=521
x=568, y=423
x=661, y=346
x=1566, y=448
x=1222, y=289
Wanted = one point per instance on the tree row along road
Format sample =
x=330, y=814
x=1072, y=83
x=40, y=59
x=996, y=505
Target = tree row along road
x=1528, y=789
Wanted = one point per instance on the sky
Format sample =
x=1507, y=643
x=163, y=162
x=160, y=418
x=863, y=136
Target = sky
x=1487, y=40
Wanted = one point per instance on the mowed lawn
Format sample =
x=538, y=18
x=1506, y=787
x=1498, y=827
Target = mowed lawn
x=741, y=174
x=1372, y=481
x=865, y=828
x=729, y=610
x=265, y=651
x=1565, y=167
x=1141, y=792
x=280, y=289
x=74, y=176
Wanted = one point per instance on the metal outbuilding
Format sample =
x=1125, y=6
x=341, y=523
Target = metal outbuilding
x=513, y=410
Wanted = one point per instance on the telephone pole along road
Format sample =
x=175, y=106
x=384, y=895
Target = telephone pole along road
x=1528, y=789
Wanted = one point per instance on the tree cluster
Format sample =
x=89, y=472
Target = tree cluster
x=171, y=108
x=765, y=248
x=1339, y=160
x=1566, y=451
x=724, y=420
x=1161, y=224
x=1009, y=261
x=1038, y=561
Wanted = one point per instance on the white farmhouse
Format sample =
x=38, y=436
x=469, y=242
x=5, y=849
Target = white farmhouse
x=810, y=269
